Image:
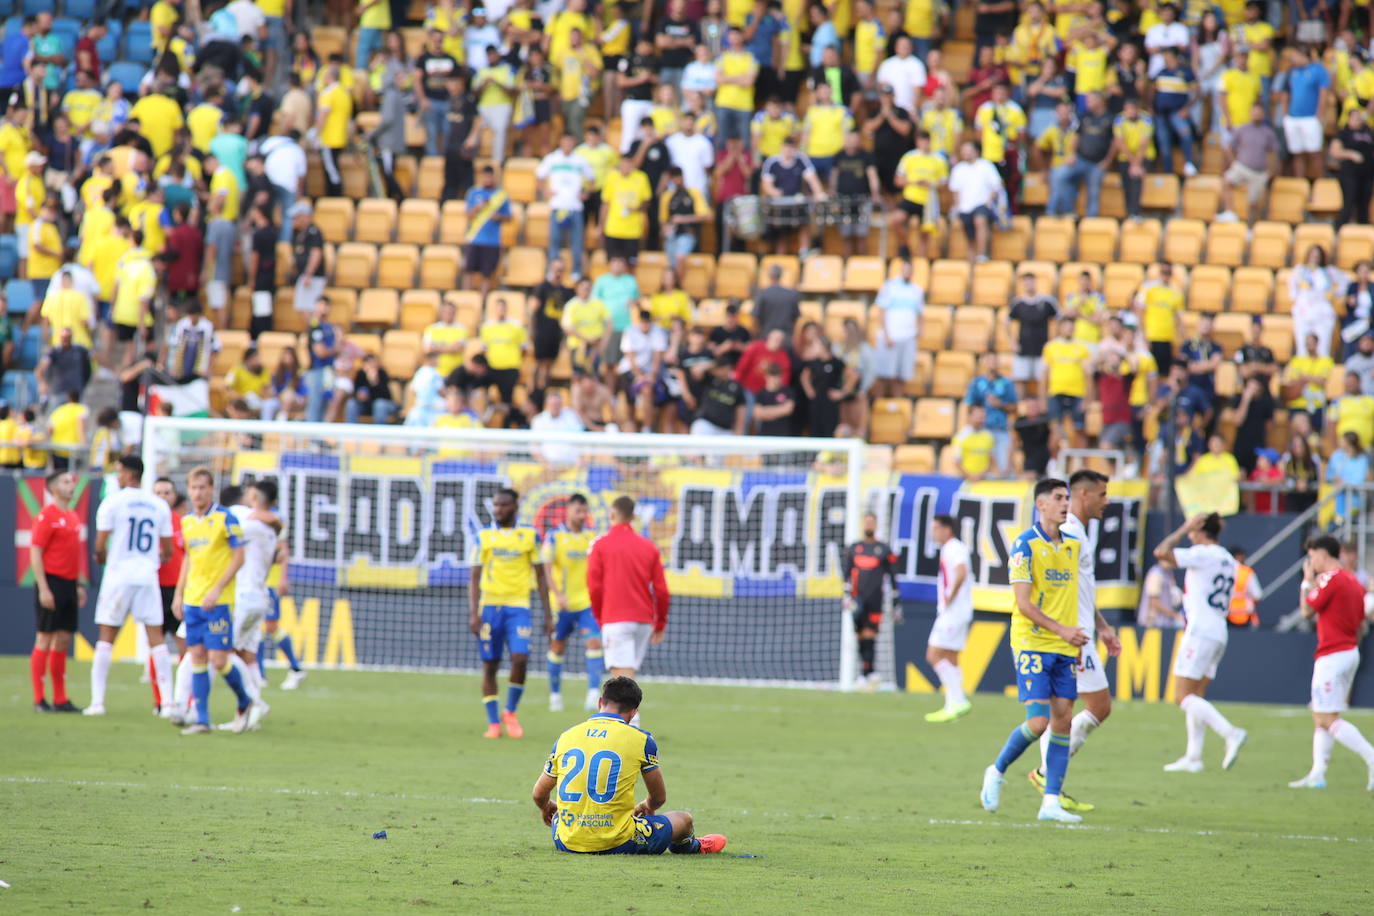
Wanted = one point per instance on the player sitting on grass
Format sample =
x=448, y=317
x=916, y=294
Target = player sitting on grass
x=1335, y=597
x=565, y=559
x=1207, y=588
x=1046, y=639
x=595, y=767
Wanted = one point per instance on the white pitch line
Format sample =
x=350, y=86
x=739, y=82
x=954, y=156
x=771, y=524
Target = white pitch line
x=1165, y=830
x=327, y=793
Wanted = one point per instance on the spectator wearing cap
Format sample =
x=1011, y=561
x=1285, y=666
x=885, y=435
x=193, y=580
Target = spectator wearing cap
x=307, y=250
x=495, y=88
x=1254, y=150
x=460, y=144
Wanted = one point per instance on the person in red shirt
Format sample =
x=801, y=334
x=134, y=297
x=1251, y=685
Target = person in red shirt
x=186, y=240
x=55, y=557
x=771, y=349
x=1335, y=597
x=167, y=576
x=628, y=592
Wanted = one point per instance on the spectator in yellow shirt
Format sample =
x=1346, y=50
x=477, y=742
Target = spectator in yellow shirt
x=823, y=130
x=1353, y=412
x=67, y=430
x=29, y=194
x=45, y=248
x=333, y=118
x=446, y=339
x=1159, y=305
x=68, y=309
x=974, y=446
x=1133, y=144
x=624, y=202
x=1217, y=458
x=504, y=343
x=159, y=118
x=15, y=140
x=1064, y=378
x=81, y=104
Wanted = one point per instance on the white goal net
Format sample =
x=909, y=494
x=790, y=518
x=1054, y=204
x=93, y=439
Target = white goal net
x=381, y=520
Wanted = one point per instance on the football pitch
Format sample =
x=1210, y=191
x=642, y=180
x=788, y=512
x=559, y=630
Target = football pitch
x=832, y=803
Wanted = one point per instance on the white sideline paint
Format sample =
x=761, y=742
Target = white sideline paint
x=1164, y=830
x=325, y=793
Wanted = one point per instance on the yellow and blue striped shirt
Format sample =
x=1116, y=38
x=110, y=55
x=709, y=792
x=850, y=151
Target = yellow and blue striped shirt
x=507, y=557
x=566, y=551
x=1051, y=569
x=210, y=542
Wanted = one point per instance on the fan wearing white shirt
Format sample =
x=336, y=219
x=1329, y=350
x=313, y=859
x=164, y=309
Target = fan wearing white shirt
x=976, y=186
x=133, y=538
x=1167, y=33
x=905, y=73
x=1207, y=588
x=558, y=418
x=693, y=153
x=1087, y=501
x=953, y=616
x=566, y=177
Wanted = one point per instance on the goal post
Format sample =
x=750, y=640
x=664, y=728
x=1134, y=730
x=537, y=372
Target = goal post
x=381, y=520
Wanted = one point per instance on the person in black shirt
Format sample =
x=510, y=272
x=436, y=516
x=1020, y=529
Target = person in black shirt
x=651, y=156
x=1254, y=410
x=1088, y=164
x=255, y=107
x=261, y=191
x=546, y=306
x=262, y=267
x=729, y=340
x=722, y=404
x=997, y=17
x=826, y=381
x=854, y=180
x=774, y=405
x=1254, y=358
x=635, y=80
x=1034, y=311
x=894, y=133
x=538, y=78
x=460, y=143
x=371, y=393
x=433, y=93
x=307, y=250
x=473, y=374
x=866, y=566
x=1033, y=429
x=688, y=375
x=676, y=37
x=1353, y=149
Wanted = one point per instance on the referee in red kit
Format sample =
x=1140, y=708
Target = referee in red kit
x=629, y=594
x=55, y=558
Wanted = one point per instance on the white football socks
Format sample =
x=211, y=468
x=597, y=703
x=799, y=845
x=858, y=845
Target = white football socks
x=1322, y=742
x=182, y=699
x=162, y=672
x=952, y=679
x=1084, y=724
x=1208, y=714
x=249, y=674
x=1348, y=735
x=1197, y=734
x=100, y=671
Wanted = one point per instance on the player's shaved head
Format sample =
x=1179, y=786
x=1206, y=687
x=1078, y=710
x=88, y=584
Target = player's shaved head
x=623, y=509
x=621, y=695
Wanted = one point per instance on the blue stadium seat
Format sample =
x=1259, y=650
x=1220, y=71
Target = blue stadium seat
x=29, y=347
x=138, y=43
x=34, y=7
x=127, y=73
x=80, y=9
x=13, y=24
x=18, y=389
x=6, y=7
x=20, y=296
x=9, y=256
x=69, y=30
x=108, y=47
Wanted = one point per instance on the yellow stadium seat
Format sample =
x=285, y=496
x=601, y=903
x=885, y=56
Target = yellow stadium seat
x=891, y=417
x=649, y=271
x=1354, y=243
x=1326, y=198
x=285, y=315
x=1159, y=192
x=1270, y=243
x=1201, y=197
x=1054, y=238
x=334, y=218
x=935, y=322
x=375, y=221
x=396, y=268
x=791, y=270
x=406, y=169
x=1231, y=330
x=1209, y=287
x=1283, y=303
x=698, y=270
x=417, y=221
x=919, y=383
x=711, y=313
x=1288, y=199
x=863, y=274
x=812, y=312
x=933, y=419
x=1183, y=241
x=537, y=217
x=1112, y=203
x=519, y=180
x=1014, y=243
x=343, y=305
x=271, y=344
x=735, y=271
x=1309, y=234
x=1119, y=284
x=353, y=172
x=1228, y=375
x=232, y=345
x=1278, y=336
x=525, y=267
x=368, y=343
x=354, y=264
x=401, y=353
x=1140, y=241
x=1251, y=289
x=1097, y=237
x=1046, y=278
x=468, y=303
x=837, y=311
x=1035, y=189
x=439, y=266
x=992, y=283
x=949, y=281
x=1226, y=244
x=510, y=228
x=328, y=40
x=378, y=308
x=1069, y=276
x=822, y=275
x=429, y=183
x=973, y=329
x=951, y=373
x=419, y=309
x=453, y=222
x=914, y=459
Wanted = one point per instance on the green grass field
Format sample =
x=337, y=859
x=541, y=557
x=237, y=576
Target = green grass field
x=844, y=803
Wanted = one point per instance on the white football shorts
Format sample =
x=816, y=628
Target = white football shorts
x=950, y=632
x=1198, y=657
x=120, y=599
x=1332, y=677
x=625, y=643
x=248, y=616
x=1092, y=676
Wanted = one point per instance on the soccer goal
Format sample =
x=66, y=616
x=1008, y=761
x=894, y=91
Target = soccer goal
x=381, y=520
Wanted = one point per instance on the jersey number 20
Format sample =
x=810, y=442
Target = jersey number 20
x=573, y=762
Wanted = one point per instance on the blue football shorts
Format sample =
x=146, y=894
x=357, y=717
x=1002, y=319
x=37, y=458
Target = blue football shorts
x=502, y=626
x=1041, y=675
x=273, y=605
x=653, y=836
x=575, y=620
x=212, y=628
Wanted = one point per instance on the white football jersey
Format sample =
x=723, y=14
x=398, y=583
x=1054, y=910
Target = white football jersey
x=259, y=550
x=1087, y=574
x=953, y=554
x=1208, y=583
x=137, y=521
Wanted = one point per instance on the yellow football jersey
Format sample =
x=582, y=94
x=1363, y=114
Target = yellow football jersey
x=508, y=557
x=597, y=765
x=210, y=542
x=566, y=551
x=1051, y=569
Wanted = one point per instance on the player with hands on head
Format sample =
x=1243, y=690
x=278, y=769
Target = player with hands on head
x=1208, y=584
x=1046, y=641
